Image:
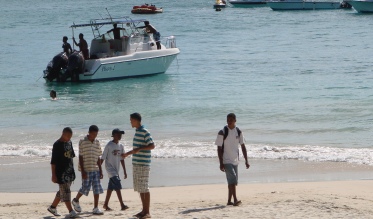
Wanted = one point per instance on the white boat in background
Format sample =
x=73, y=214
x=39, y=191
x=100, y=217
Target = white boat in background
x=247, y=3
x=362, y=6
x=304, y=5
x=133, y=54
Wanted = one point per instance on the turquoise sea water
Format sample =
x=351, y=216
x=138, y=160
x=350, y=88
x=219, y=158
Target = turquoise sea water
x=300, y=82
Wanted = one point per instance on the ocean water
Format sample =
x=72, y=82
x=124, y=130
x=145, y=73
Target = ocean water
x=300, y=82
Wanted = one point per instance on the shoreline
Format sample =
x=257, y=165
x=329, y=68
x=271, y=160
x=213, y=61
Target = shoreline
x=328, y=199
x=32, y=174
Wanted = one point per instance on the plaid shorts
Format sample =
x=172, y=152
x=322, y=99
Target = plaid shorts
x=93, y=179
x=141, y=178
x=64, y=194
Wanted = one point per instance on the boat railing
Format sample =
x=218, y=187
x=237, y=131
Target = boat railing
x=170, y=42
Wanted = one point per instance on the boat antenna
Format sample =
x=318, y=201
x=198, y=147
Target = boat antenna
x=109, y=15
x=100, y=15
x=72, y=30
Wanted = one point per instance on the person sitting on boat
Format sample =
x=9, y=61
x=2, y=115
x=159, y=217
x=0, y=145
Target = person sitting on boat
x=66, y=46
x=116, y=31
x=156, y=34
x=83, y=46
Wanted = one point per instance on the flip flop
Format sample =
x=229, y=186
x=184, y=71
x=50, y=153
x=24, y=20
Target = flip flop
x=138, y=215
x=230, y=203
x=107, y=208
x=237, y=203
x=125, y=207
x=146, y=216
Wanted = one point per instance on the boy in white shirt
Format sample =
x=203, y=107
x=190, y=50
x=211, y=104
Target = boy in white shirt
x=113, y=158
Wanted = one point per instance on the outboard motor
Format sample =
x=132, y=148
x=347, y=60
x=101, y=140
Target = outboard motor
x=54, y=67
x=75, y=66
x=346, y=5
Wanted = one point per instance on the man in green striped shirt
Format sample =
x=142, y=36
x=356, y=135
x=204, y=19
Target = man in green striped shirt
x=141, y=159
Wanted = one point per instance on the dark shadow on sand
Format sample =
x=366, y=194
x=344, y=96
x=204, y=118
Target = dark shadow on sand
x=202, y=209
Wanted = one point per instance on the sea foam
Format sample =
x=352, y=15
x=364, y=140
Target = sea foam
x=196, y=149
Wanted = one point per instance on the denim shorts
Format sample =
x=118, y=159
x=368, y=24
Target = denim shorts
x=93, y=179
x=231, y=173
x=114, y=183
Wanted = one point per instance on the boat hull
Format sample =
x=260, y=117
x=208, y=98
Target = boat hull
x=135, y=65
x=282, y=5
x=362, y=6
x=219, y=5
x=249, y=3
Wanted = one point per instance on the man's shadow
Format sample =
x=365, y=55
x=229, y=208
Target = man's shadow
x=202, y=209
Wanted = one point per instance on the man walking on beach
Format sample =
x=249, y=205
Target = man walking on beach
x=141, y=158
x=228, y=141
x=113, y=158
x=90, y=167
x=63, y=171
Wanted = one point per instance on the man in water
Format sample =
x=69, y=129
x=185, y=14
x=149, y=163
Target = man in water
x=53, y=95
x=228, y=140
x=66, y=46
x=83, y=46
x=156, y=34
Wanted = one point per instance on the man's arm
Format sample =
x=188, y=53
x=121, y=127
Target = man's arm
x=99, y=167
x=81, y=163
x=243, y=147
x=54, y=176
x=124, y=168
x=135, y=151
x=220, y=155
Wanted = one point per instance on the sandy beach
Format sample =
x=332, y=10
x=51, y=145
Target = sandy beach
x=333, y=199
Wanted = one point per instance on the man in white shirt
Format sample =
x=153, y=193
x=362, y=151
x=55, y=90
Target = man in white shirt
x=228, y=141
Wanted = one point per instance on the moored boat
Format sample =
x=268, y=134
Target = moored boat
x=247, y=3
x=146, y=9
x=362, y=6
x=304, y=5
x=132, y=52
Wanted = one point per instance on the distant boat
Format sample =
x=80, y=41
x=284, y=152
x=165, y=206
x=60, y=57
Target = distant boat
x=146, y=9
x=220, y=4
x=362, y=6
x=247, y=3
x=304, y=5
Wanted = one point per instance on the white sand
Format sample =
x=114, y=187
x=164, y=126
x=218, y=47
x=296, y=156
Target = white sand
x=338, y=199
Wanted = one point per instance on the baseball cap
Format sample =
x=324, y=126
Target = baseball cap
x=115, y=131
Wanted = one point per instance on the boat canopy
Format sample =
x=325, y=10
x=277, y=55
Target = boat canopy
x=106, y=21
x=96, y=24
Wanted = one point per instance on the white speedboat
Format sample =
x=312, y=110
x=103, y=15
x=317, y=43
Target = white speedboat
x=362, y=6
x=247, y=3
x=303, y=5
x=133, y=54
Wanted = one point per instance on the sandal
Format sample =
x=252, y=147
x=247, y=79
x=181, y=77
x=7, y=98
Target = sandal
x=138, y=215
x=125, y=207
x=237, y=203
x=107, y=208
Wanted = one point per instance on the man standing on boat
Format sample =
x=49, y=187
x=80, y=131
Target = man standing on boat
x=83, y=46
x=66, y=46
x=156, y=34
x=116, y=31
